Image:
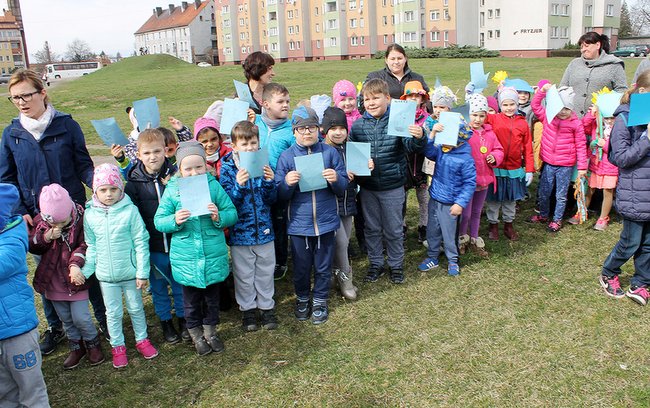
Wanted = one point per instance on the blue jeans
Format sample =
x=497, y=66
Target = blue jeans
x=77, y=322
x=442, y=226
x=113, y=292
x=560, y=176
x=316, y=252
x=382, y=213
x=160, y=280
x=634, y=242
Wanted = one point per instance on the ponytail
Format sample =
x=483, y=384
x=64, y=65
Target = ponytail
x=593, y=37
x=643, y=81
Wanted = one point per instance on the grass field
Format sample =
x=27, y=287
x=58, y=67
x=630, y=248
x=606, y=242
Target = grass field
x=529, y=326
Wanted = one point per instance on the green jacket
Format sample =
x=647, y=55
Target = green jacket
x=198, y=254
x=118, y=242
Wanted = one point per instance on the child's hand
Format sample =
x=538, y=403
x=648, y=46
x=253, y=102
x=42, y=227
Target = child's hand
x=546, y=87
x=438, y=127
x=53, y=234
x=600, y=142
x=76, y=276
x=490, y=159
x=456, y=210
x=268, y=173
x=118, y=152
x=166, y=179
x=182, y=216
x=141, y=283
x=28, y=219
x=416, y=131
x=371, y=164
x=582, y=173
x=251, y=115
x=175, y=123
x=350, y=176
x=242, y=177
x=330, y=175
x=214, y=212
x=292, y=178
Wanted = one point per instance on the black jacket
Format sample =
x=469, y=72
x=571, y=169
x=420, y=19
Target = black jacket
x=347, y=201
x=396, y=86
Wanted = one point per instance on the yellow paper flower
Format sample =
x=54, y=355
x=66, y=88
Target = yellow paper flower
x=359, y=86
x=500, y=76
x=595, y=95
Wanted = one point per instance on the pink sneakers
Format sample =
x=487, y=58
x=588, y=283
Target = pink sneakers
x=147, y=349
x=601, y=224
x=119, y=357
x=575, y=220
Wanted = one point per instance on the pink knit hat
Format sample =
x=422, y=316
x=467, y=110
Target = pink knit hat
x=107, y=174
x=202, y=123
x=56, y=204
x=492, y=103
x=342, y=90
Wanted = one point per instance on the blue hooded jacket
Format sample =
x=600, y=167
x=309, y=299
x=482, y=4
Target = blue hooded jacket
x=275, y=140
x=454, y=177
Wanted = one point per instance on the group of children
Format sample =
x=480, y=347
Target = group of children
x=138, y=233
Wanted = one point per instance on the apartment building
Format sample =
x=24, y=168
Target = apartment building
x=12, y=49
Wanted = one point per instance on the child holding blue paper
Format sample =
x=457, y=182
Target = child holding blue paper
x=313, y=218
x=442, y=100
x=251, y=238
x=344, y=94
x=198, y=254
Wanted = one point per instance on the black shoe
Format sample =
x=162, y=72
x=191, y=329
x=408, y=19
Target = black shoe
x=302, y=310
x=422, y=233
x=397, y=276
x=374, y=273
x=182, y=327
x=249, y=320
x=279, y=272
x=268, y=319
x=50, y=339
x=103, y=329
x=169, y=332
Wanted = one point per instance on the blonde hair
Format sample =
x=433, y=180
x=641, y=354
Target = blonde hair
x=151, y=136
x=643, y=81
x=27, y=75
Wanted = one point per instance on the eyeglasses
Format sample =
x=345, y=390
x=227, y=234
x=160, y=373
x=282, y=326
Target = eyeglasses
x=26, y=97
x=304, y=129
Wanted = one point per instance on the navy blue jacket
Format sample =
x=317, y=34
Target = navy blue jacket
x=388, y=152
x=347, y=201
x=311, y=213
x=630, y=151
x=59, y=157
x=454, y=177
x=253, y=202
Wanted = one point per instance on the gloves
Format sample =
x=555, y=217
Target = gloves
x=529, y=179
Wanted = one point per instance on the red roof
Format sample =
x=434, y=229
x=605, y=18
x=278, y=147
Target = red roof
x=177, y=18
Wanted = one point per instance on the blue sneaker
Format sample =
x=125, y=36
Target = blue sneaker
x=428, y=264
x=453, y=269
x=319, y=315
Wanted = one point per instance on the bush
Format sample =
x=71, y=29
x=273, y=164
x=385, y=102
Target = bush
x=466, y=51
x=565, y=53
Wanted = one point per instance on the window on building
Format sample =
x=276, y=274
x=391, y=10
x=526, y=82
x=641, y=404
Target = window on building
x=225, y=9
x=332, y=24
x=330, y=6
x=243, y=50
x=434, y=15
x=274, y=46
x=317, y=43
x=435, y=36
x=490, y=13
x=409, y=16
x=273, y=31
x=290, y=14
x=589, y=10
x=383, y=3
x=497, y=13
x=445, y=2
x=297, y=29
x=241, y=22
x=241, y=8
x=292, y=45
x=226, y=23
x=291, y=30
x=446, y=14
x=482, y=3
x=242, y=36
x=354, y=41
x=565, y=32
x=565, y=9
x=273, y=15
x=555, y=9
x=384, y=20
x=317, y=27
x=385, y=38
x=481, y=41
x=497, y=33
x=392, y=19
x=409, y=37
x=227, y=51
x=297, y=45
x=353, y=23
x=555, y=32
x=363, y=40
x=362, y=22
x=352, y=4
x=332, y=41
x=490, y=34
x=610, y=10
x=316, y=10
x=227, y=37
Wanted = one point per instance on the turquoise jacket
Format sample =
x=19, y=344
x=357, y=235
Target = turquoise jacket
x=275, y=140
x=198, y=254
x=118, y=242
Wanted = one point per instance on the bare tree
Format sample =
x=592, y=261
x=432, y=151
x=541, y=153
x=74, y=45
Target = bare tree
x=45, y=55
x=640, y=17
x=78, y=50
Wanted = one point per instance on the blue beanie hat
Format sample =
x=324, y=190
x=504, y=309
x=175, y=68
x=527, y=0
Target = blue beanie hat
x=303, y=117
x=8, y=199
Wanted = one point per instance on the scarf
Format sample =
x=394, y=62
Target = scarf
x=36, y=127
x=271, y=123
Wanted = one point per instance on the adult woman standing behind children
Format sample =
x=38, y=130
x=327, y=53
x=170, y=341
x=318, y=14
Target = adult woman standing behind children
x=397, y=73
x=258, y=69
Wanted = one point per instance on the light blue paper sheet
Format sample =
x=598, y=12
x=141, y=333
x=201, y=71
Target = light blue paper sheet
x=554, y=104
x=147, y=113
x=311, y=168
x=234, y=110
x=402, y=115
x=195, y=194
x=607, y=103
x=451, y=123
x=244, y=93
x=639, y=109
x=109, y=131
x=478, y=76
x=356, y=158
x=254, y=162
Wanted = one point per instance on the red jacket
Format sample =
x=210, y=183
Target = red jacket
x=52, y=274
x=602, y=166
x=485, y=137
x=514, y=135
x=563, y=140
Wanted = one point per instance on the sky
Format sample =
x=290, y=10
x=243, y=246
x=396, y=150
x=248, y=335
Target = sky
x=106, y=25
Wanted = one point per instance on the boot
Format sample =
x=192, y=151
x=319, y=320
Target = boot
x=210, y=334
x=249, y=320
x=95, y=353
x=477, y=245
x=463, y=243
x=77, y=352
x=509, y=231
x=202, y=347
x=345, y=285
x=182, y=327
x=169, y=332
x=493, y=232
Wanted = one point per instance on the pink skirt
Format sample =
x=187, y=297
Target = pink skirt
x=596, y=181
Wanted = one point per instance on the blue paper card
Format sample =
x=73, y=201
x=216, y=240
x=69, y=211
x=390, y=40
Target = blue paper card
x=402, y=115
x=147, y=113
x=607, y=103
x=478, y=76
x=438, y=84
x=356, y=158
x=234, y=110
x=254, y=162
x=554, y=103
x=311, y=168
x=639, y=109
x=195, y=194
x=451, y=123
x=110, y=132
x=244, y=93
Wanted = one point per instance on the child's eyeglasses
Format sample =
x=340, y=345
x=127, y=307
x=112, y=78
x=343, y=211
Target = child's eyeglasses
x=304, y=129
x=26, y=97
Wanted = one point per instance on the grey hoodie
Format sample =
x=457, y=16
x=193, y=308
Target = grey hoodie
x=588, y=76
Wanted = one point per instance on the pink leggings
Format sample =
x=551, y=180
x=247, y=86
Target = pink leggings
x=472, y=214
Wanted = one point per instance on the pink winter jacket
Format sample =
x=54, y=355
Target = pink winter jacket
x=601, y=167
x=484, y=171
x=352, y=117
x=563, y=140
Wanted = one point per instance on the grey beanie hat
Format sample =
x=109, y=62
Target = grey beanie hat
x=567, y=95
x=189, y=148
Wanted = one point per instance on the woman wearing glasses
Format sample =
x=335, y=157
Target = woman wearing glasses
x=40, y=147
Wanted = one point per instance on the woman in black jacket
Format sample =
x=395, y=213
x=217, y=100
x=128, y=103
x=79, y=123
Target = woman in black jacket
x=397, y=72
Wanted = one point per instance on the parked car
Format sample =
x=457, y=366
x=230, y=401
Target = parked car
x=204, y=64
x=633, y=51
x=4, y=78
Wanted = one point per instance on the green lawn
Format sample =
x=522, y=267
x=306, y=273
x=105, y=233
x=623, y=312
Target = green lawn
x=529, y=326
